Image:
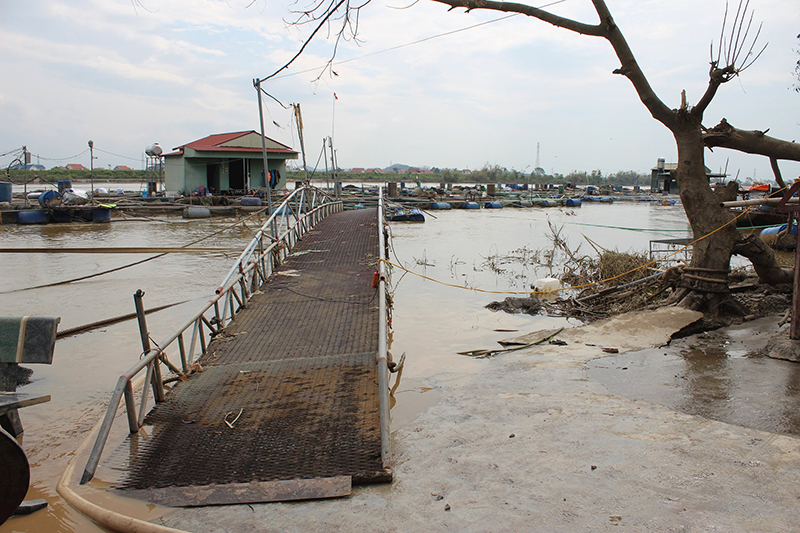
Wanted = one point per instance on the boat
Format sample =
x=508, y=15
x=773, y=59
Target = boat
x=74, y=197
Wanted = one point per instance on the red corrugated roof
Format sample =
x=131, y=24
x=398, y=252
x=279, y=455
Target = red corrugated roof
x=212, y=144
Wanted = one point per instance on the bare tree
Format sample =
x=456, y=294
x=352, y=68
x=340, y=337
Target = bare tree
x=704, y=283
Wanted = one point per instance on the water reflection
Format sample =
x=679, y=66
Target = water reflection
x=717, y=376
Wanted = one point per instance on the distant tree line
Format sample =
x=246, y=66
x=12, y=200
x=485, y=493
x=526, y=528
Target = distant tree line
x=61, y=174
x=488, y=174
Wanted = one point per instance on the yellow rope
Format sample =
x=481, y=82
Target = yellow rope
x=575, y=287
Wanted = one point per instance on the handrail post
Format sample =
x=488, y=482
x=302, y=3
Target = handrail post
x=105, y=429
x=158, y=385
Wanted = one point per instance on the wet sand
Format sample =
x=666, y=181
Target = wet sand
x=532, y=443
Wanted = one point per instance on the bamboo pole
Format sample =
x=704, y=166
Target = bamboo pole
x=757, y=201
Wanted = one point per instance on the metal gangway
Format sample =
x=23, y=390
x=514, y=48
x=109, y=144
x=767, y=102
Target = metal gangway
x=299, y=213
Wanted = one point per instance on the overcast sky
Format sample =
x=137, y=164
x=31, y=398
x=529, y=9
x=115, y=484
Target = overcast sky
x=128, y=73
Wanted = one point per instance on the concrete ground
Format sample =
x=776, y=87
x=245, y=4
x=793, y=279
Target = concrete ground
x=532, y=444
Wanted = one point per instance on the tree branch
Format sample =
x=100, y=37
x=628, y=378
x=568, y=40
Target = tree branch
x=751, y=142
x=777, y=171
x=606, y=29
x=512, y=7
x=630, y=68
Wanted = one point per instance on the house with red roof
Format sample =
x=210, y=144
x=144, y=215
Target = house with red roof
x=227, y=162
x=76, y=166
x=122, y=167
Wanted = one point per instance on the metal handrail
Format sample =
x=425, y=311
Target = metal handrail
x=254, y=266
x=383, y=336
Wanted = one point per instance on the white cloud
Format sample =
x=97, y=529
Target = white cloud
x=176, y=71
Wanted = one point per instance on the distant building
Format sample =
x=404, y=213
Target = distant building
x=231, y=162
x=76, y=166
x=29, y=166
x=357, y=170
x=122, y=167
x=663, y=177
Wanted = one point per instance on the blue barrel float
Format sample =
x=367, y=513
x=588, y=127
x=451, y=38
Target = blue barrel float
x=493, y=205
x=5, y=192
x=101, y=214
x=60, y=215
x=573, y=202
x=50, y=199
x=470, y=205
x=778, y=229
x=440, y=205
x=65, y=184
x=32, y=216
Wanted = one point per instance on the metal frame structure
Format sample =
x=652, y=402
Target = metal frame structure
x=383, y=335
x=298, y=213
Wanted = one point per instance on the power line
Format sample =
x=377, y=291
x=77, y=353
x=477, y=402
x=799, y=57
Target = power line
x=14, y=151
x=425, y=39
x=61, y=158
x=118, y=155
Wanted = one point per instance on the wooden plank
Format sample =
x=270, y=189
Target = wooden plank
x=253, y=492
x=17, y=400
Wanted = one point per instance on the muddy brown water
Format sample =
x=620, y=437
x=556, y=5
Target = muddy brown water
x=431, y=321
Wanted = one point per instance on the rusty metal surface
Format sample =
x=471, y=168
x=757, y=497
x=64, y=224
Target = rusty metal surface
x=253, y=492
x=296, y=370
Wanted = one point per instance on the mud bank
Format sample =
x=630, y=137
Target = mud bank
x=532, y=443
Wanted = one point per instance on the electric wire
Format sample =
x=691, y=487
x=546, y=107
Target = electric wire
x=419, y=41
x=96, y=149
x=60, y=158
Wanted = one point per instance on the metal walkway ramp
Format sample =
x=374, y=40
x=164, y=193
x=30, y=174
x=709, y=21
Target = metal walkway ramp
x=287, y=406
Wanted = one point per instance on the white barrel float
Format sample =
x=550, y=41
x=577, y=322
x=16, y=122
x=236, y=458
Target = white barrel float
x=196, y=211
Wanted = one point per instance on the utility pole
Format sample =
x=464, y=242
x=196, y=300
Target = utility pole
x=26, y=159
x=325, y=158
x=257, y=85
x=91, y=167
x=299, y=118
x=334, y=174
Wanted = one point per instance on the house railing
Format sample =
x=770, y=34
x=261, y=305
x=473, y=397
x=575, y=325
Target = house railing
x=298, y=213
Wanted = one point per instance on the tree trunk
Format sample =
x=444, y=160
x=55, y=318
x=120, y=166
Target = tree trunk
x=763, y=259
x=704, y=286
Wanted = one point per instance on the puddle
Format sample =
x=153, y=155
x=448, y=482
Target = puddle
x=722, y=375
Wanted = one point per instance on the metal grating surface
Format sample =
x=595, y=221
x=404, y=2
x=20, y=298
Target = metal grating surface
x=300, y=365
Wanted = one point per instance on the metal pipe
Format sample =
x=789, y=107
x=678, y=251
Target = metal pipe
x=757, y=201
x=130, y=408
x=382, y=359
x=202, y=337
x=105, y=429
x=143, y=403
x=182, y=348
x=158, y=386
